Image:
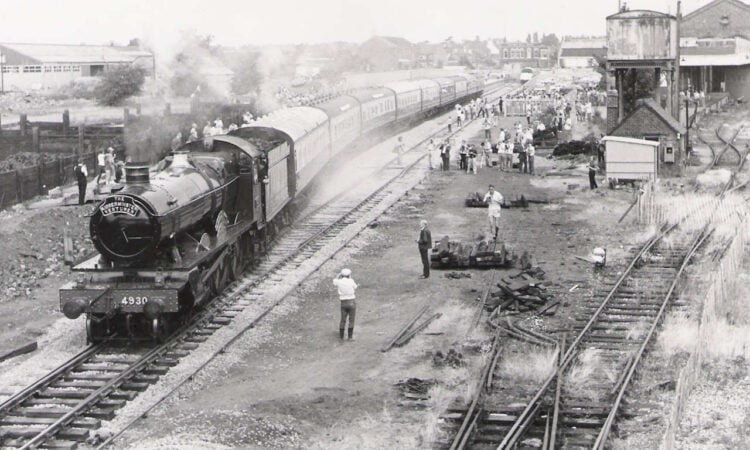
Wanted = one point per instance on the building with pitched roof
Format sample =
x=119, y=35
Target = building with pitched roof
x=582, y=52
x=44, y=66
x=715, y=49
x=651, y=122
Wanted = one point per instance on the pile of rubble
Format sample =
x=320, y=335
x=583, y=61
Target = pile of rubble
x=447, y=254
x=522, y=292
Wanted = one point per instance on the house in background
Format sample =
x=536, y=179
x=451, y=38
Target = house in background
x=45, y=66
x=582, y=52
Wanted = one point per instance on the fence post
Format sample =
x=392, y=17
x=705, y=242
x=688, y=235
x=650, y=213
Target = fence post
x=36, y=146
x=19, y=188
x=81, y=131
x=66, y=122
x=23, y=123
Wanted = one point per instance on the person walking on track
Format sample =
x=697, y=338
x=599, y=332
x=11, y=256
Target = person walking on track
x=346, y=288
x=494, y=201
x=399, y=150
x=425, y=244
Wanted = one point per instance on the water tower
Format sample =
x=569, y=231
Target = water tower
x=642, y=39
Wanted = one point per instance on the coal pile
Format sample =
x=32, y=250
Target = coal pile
x=575, y=148
x=23, y=160
x=476, y=200
x=447, y=254
x=453, y=359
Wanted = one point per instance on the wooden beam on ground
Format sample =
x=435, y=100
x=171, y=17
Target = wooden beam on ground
x=22, y=350
x=404, y=329
x=405, y=339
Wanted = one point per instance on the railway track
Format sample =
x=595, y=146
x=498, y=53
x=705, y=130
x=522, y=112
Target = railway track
x=726, y=145
x=62, y=409
x=613, y=331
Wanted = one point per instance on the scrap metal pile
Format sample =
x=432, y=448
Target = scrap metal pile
x=447, y=254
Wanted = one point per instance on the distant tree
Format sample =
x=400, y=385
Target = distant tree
x=535, y=38
x=638, y=83
x=135, y=42
x=464, y=61
x=528, y=39
x=119, y=83
x=551, y=40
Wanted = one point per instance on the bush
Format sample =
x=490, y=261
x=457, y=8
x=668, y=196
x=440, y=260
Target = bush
x=119, y=83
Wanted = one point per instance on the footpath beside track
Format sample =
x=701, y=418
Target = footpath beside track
x=63, y=408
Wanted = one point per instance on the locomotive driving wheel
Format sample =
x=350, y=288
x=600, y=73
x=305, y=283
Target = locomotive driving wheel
x=218, y=279
x=235, y=261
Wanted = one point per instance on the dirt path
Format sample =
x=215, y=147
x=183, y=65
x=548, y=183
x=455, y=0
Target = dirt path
x=298, y=386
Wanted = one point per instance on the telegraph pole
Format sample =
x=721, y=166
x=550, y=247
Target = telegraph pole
x=2, y=73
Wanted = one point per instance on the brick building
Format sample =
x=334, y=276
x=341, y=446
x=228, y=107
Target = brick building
x=715, y=49
x=718, y=19
x=513, y=56
x=44, y=66
x=651, y=122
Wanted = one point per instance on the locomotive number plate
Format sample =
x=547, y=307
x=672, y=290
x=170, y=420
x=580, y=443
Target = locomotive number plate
x=129, y=300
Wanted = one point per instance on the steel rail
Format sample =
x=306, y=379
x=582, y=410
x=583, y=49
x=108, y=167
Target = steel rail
x=254, y=283
x=470, y=419
x=196, y=322
x=48, y=379
x=525, y=418
x=604, y=433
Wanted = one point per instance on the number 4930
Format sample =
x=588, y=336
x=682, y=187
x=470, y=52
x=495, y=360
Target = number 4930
x=130, y=300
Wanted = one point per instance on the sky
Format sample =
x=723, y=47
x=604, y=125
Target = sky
x=239, y=22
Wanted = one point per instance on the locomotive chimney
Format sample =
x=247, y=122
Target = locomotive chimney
x=136, y=173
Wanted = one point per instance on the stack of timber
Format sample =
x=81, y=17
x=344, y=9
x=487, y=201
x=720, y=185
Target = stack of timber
x=523, y=292
x=447, y=254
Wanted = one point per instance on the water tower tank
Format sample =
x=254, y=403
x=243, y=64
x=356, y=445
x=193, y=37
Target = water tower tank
x=641, y=36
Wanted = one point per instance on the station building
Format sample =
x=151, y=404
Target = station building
x=715, y=49
x=514, y=56
x=27, y=67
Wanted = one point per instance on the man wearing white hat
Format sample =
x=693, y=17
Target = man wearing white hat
x=346, y=287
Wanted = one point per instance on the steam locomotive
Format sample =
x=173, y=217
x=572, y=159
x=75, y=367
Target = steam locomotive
x=176, y=234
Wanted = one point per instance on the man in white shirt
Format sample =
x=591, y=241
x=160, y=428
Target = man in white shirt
x=494, y=201
x=346, y=288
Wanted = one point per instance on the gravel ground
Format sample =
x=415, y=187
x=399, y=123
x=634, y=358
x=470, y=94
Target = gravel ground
x=292, y=371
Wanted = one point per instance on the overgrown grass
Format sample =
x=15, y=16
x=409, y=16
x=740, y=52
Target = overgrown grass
x=535, y=366
x=589, y=368
x=679, y=334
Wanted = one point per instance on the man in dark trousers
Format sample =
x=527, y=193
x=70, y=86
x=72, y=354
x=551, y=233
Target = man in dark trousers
x=81, y=174
x=425, y=244
x=445, y=155
x=592, y=173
